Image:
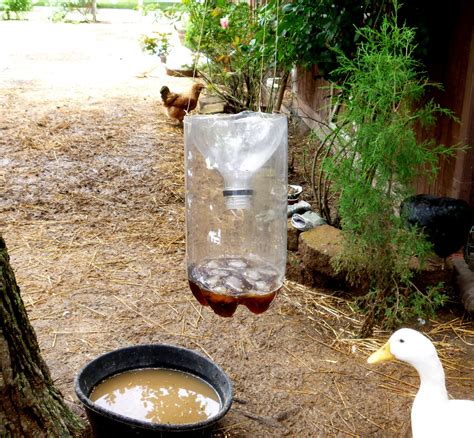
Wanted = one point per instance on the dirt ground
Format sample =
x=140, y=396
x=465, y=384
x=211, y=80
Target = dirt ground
x=92, y=211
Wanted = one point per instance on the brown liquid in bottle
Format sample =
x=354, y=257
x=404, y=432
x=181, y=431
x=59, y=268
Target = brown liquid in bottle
x=223, y=284
x=225, y=305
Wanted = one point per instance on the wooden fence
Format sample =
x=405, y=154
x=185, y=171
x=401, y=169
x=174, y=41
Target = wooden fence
x=454, y=69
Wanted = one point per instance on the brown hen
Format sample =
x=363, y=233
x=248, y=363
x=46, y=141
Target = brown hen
x=179, y=104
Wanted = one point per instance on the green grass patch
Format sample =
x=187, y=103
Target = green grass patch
x=116, y=4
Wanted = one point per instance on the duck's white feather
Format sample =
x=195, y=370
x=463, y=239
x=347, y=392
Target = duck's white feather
x=433, y=414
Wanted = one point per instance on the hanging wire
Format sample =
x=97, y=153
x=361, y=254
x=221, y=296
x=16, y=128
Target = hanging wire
x=276, y=46
x=196, y=59
x=270, y=96
x=201, y=33
x=261, y=66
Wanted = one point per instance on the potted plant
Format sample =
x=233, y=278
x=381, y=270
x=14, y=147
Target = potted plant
x=157, y=44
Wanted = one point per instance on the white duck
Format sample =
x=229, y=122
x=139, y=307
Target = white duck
x=433, y=414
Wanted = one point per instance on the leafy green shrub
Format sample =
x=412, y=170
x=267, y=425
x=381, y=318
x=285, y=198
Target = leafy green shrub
x=172, y=12
x=406, y=305
x=18, y=7
x=224, y=32
x=265, y=41
x=306, y=32
x=373, y=157
x=61, y=8
x=156, y=44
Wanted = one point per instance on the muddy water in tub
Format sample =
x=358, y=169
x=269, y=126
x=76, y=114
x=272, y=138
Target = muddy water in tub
x=157, y=395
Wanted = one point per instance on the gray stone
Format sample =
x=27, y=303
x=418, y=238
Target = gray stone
x=318, y=246
x=293, y=235
x=464, y=279
x=311, y=265
x=211, y=104
x=307, y=220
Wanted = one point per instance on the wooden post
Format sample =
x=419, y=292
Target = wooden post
x=463, y=171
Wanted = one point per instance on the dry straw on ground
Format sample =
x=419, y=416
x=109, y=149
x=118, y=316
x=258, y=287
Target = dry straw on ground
x=92, y=211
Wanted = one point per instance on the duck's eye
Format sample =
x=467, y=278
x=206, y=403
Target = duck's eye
x=402, y=341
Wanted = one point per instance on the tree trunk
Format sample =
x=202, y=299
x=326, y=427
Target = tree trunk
x=30, y=405
x=94, y=11
x=281, y=92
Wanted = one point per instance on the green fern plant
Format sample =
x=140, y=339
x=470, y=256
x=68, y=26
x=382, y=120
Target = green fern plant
x=374, y=159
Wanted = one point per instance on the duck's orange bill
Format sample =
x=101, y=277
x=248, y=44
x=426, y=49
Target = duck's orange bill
x=381, y=355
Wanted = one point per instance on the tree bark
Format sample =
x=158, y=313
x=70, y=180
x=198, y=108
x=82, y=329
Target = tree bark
x=94, y=11
x=30, y=404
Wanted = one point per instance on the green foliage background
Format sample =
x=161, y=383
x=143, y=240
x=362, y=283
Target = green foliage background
x=234, y=59
x=375, y=161
x=15, y=7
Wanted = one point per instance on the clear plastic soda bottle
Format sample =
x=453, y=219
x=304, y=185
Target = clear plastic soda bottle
x=236, y=209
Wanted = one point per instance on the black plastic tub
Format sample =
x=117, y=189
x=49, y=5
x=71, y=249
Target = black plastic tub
x=108, y=424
